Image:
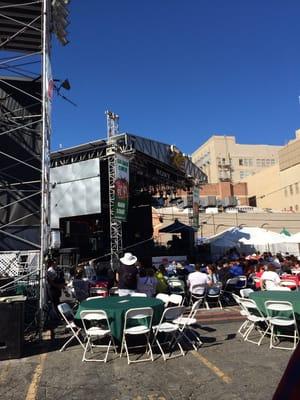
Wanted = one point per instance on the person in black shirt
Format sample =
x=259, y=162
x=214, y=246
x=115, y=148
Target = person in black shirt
x=127, y=275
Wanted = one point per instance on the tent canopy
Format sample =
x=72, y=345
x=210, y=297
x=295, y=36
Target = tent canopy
x=177, y=227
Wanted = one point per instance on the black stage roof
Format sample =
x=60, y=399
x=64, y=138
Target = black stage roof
x=152, y=161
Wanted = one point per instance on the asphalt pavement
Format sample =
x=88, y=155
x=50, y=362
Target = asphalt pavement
x=225, y=367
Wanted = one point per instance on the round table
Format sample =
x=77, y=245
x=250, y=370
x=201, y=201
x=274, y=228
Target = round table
x=116, y=308
x=262, y=296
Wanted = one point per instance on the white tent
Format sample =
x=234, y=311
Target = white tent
x=251, y=239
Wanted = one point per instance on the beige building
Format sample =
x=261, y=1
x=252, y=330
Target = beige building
x=278, y=187
x=224, y=160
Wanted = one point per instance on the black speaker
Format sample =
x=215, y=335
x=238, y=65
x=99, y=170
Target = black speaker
x=138, y=230
x=12, y=329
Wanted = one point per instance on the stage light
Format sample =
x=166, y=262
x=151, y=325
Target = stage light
x=60, y=21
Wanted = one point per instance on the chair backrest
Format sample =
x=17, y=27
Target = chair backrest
x=136, y=294
x=237, y=300
x=288, y=283
x=94, y=297
x=172, y=313
x=138, y=316
x=164, y=297
x=281, y=288
x=66, y=312
x=280, y=309
x=245, y=292
x=99, y=291
x=198, y=290
x=93, y=315
x=175, y=299
x=242, y=281
x=176, y=285
x=250, y=306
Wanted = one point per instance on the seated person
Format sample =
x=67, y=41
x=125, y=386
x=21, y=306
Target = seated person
x=197, y=281
x=270, y=278
x=81, y=287
x=172, y=269
x=236, y=269
x=162, y=284
x=146, y=282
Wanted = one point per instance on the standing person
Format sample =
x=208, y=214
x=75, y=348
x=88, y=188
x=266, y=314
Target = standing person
x=127, y=275
x=55, y=285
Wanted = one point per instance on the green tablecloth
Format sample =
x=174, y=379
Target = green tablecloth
x=116, y=308
x=262, y=296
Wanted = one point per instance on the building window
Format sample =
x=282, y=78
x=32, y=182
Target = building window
x=258, y=162
x=285, y=192
x=297, y=187
x=291, y=190
x=296, y=207
x=272, y=161
x=241, y=161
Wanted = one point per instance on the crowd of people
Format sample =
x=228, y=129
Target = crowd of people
x=132, y=276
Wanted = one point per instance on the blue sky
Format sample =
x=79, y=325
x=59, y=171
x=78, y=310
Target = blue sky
x=179, y=71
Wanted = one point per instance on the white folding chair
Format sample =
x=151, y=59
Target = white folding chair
x=213, y=294
x=96, y=326
x=138, y=321
x=97, y=291
x=256, y=319
x=244, y=312
x=114, y=291
x=290, y=284
x=186, y=325
x=176, y=299
x=197, y=296
x=170, y=330
x=137, y=294
x=281, y=289
x=94, y=297
x=68, y=316
x=245, y=293
x=281, y=315
x=163, y=297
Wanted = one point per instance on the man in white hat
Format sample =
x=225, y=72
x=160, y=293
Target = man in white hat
x=127, y=275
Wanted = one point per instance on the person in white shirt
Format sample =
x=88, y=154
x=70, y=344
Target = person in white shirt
x=270, y=278
x=198, y=281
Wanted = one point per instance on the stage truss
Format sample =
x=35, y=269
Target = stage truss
x=26, y=87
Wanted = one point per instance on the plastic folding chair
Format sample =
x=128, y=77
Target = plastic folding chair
x=163, y=297
x=194, y=296
x=186, y=325
x=96, y=326
x=244, y=312
x=176, y=299
x=137, y=321
x=99, y=291
x=68, y=316
x=245, y=293
x=281, y=315
x=281, y=289
x=213, y=295
x=256, y=319
x=137, y=294
x=289, y=283
x=170, y=330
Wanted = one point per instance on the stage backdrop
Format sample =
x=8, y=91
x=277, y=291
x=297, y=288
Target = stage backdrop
x=75, y=190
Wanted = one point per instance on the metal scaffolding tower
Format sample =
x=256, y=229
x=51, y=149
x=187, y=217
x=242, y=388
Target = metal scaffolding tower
x=26, y=89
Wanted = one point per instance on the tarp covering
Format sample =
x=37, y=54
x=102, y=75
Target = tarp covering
x=177, y=227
